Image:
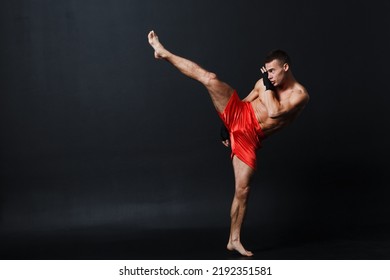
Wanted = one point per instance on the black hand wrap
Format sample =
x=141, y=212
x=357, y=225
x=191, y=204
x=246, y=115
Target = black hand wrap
x=267, y=83
x=224, y=133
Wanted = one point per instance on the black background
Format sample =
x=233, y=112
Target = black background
x=99, y=141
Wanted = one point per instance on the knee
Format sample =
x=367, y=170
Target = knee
x=209, y=78
x=242, y=192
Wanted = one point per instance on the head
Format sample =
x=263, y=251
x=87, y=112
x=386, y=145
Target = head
x=277, y=63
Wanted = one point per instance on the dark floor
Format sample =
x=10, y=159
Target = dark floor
x=364, y=243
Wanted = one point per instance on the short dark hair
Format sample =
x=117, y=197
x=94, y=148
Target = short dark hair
x=278, y=54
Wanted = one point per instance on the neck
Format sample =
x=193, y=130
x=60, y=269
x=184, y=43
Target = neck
x=288, y=82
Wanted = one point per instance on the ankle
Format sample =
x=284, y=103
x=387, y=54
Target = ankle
x=234, y=240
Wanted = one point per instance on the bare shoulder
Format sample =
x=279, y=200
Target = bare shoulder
x=300, y=94
x=300, y=90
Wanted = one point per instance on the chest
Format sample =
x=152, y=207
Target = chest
x=281, y=97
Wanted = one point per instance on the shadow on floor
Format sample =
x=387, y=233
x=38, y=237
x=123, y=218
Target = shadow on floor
x=364, y=243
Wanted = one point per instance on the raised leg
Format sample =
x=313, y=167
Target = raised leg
x=243, y=174
x=219, y=91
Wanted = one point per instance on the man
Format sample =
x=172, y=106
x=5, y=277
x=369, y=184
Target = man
x=276, y=100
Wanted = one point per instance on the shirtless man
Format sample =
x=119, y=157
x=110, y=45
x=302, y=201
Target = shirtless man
x=276, y=100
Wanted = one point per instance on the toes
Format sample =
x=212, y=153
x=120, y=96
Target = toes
x=152, y=35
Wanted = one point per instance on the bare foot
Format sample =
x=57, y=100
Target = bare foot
x=237, y=246
x=159, y=50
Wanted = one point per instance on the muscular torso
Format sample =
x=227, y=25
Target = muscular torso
x=271, y=125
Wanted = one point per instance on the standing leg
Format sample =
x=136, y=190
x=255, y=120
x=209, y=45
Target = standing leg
x=243, y=174
x=220, y=92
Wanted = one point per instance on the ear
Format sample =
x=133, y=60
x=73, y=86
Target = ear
x=286, y=67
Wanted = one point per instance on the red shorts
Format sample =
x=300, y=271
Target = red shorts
x=244, y=129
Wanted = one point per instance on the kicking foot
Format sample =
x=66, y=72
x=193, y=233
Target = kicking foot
x=237, y=246
x=159, y=50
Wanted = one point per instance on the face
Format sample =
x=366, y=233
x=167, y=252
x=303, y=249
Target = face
x=276, y=71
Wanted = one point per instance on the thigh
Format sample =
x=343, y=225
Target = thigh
x=220, y=93
x=242, y=172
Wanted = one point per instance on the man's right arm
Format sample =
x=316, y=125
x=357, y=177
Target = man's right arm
x=253, y=94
